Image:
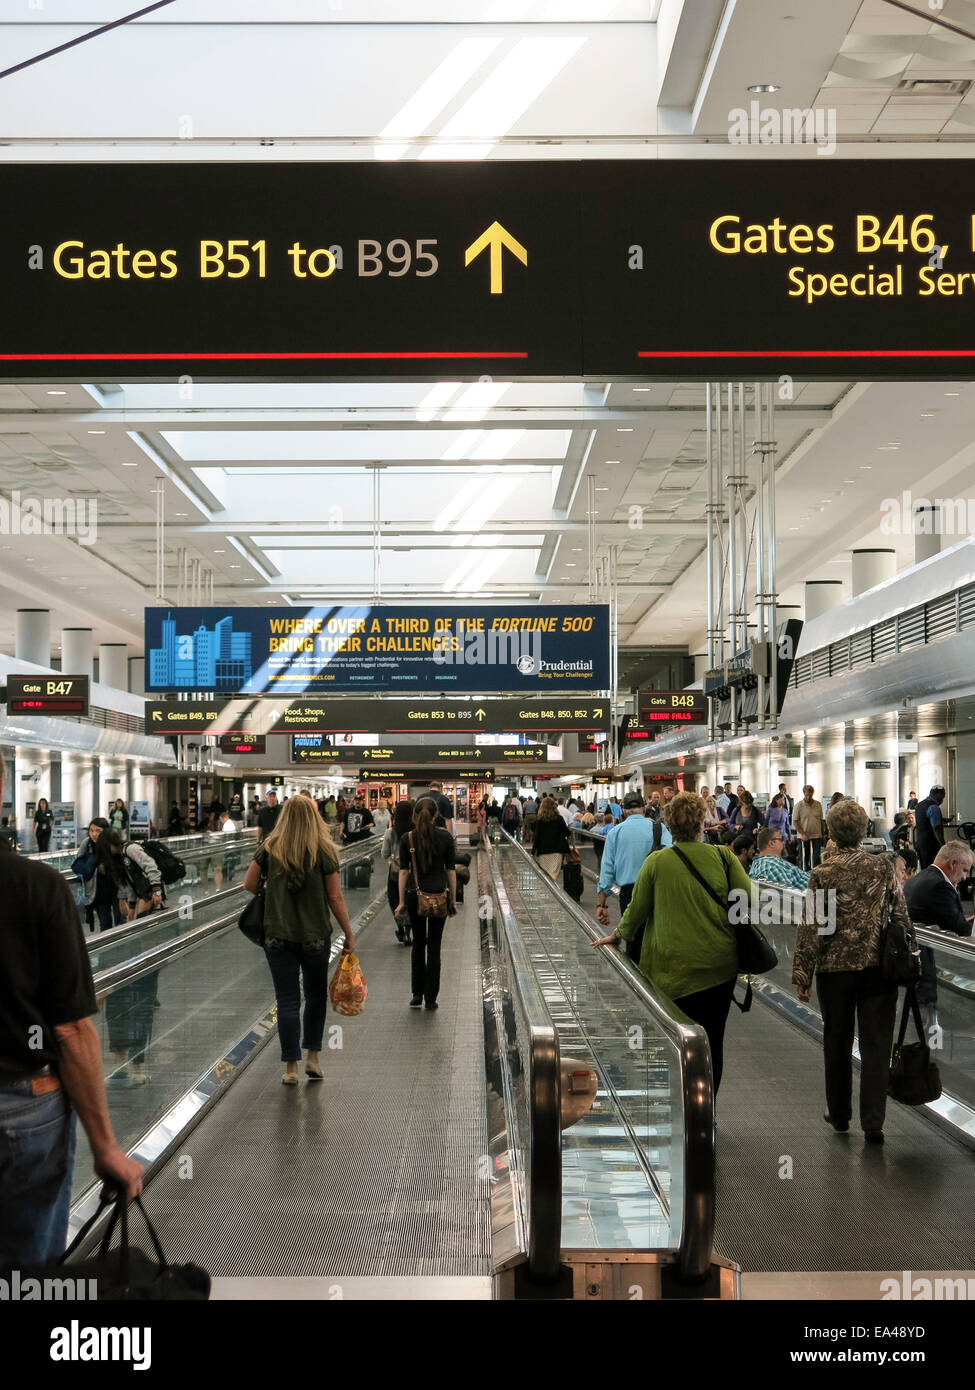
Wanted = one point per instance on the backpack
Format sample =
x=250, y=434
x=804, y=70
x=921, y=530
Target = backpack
x=171, y=869
x=511, y=816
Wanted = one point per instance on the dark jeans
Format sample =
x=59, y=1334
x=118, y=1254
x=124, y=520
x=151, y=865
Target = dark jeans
x=392, y=896
x=425, y=961
x=927, y=985
x=634, y=947
x=37, y=1142
x=292, y=963
x=108, y=914
x=810, y=852
x=861, y=998
x=43, y=838
x=709, y=1008
x=129, y=1015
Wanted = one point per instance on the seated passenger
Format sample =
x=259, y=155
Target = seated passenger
x=769, y=865
x=743, y=848
x=932, y=900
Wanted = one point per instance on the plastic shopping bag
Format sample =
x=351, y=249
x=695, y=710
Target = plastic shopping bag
x=348, y=988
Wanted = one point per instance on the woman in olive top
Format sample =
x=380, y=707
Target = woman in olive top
x=550, y=838
x=689, y=948
x=301, y=867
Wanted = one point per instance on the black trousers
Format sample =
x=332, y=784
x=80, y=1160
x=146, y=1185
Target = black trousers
x=709, y=1008
x=810, y=853
x=634, y=947
x=425, y=959
x=860, y=999
x=43, y=838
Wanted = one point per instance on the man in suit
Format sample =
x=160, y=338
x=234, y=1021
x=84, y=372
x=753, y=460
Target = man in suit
x=789, y=801
x=932, y=901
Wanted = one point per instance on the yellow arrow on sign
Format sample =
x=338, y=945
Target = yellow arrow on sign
x=481, y=713
x=496, y=237
x=157, y=716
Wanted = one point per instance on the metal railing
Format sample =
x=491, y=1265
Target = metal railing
x=689, y=1040
x=520, y=1035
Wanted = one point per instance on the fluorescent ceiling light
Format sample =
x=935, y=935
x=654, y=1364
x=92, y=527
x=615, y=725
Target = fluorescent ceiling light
x=431, y=98
x=506, y=94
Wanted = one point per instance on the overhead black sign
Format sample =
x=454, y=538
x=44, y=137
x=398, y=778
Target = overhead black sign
x=459, y=753
x=805, y=266
x=422, y=774
x=672, y=706
x=55, y=694
x=322, y=716
x=240, y=743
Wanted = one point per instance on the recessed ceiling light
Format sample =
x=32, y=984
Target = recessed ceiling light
x=130, y=463
x=57, y=393
x=927, y=414
x=571, y=565
x=98, y=431
x=220, y=552
x=951, y=393
x=793, y=528
x=602, y=489
x=624, y=429
x=865, y=467
x=764, y=87
x=849, y=480
x=612, y=463
x=235, y=567
x=180, y=513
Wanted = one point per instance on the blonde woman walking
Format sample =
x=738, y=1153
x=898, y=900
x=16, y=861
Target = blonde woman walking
x=299, y=865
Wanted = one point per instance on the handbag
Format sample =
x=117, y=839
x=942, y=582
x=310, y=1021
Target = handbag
x=427, y=904
x=756, y=955
x=127, y=1273
x=914, y=1078
x=251, y=920
x=900, y=957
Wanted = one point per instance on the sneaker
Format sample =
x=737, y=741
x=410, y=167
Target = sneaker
x=874, y=1136
x=416, y=1001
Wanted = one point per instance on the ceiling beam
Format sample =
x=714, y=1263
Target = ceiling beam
x=652, y=526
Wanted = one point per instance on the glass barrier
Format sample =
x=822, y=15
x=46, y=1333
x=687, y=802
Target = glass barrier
x=192, y=989
x=623, y=1162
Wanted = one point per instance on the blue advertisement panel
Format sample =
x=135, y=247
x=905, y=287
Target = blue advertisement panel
x=294, y=651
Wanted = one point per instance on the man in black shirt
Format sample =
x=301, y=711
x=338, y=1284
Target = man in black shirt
x=929, y=833
x=445, y=812
x=358, y=822
x=267, y=818
x=50, y=1061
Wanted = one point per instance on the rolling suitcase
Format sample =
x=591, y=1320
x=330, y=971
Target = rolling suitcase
x=360, y=874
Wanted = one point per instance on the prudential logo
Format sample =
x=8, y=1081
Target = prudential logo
x=527, y=665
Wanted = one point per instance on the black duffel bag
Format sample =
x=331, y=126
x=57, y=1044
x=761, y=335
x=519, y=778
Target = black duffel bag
x=127, y=1273
x=914, y=1078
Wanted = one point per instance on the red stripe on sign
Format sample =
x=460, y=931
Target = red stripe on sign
x=822, y=352
x=252, y=356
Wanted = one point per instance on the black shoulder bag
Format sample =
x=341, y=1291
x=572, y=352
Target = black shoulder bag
x=756, y=956
x=251, y=920
x=900, y=956
x=129, y=1273
x=914, y=1078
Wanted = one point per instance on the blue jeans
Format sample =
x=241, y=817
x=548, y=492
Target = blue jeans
x=37, y=1143
x=291, y=962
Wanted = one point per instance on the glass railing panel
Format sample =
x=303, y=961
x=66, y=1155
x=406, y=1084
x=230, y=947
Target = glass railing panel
x=623, y=1161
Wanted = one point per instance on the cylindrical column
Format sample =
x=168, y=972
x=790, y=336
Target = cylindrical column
x=78, y=785
x=821, y=595
x=137, y=675
x=927, y=532
x=112, y=665
x=870, y=568
x=113, y=783
x=77, y=651
x=34, y=636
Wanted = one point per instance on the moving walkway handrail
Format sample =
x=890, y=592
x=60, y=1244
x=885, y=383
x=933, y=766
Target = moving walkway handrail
x=150, y=921
x=540, y=1190
x=955, y=945
x=690, y=1043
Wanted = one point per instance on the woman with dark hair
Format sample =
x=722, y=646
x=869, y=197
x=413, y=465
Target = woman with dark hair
x=550, y=840
x=85, y=865
x=745, y=819
x=426, y=866
x=43, y=824
x=400, y=825
x=118, y=817
x=299, y=865
x=127, y=874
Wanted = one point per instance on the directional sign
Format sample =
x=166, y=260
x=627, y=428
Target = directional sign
x=422, y=774
x=263, y=715
x=317, y=755
x=56, y=694
x=458, y=753
x=841, y=268
x=497, y=237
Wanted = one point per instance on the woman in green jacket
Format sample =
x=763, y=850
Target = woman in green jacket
x=689, y=949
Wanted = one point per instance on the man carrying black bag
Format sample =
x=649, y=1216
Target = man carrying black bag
x=50, y=1064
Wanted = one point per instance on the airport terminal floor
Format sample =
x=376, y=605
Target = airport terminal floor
x=487, y=623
